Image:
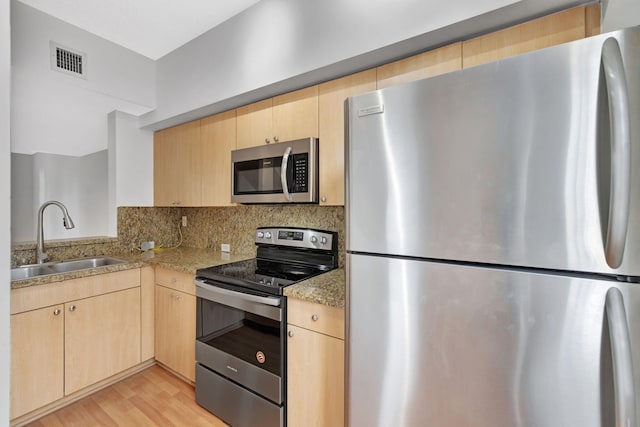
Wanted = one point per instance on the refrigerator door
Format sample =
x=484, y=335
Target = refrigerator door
x=440, y=345
x=528, y=161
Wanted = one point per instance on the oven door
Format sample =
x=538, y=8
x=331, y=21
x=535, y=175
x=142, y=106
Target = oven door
x=240, y=355
x=277, y=173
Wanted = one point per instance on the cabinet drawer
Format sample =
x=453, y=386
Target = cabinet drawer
x=35, y=297
x=316, y=317
x=176, y=280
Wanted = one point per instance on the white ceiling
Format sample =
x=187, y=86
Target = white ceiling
x=152, y=28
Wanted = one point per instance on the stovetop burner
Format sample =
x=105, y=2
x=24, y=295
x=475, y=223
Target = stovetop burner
x=284, y=256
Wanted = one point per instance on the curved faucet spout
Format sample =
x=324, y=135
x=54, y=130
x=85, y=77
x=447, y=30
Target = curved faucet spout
x=41, y=255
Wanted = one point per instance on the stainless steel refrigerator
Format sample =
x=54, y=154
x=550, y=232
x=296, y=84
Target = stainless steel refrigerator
x=493, y=243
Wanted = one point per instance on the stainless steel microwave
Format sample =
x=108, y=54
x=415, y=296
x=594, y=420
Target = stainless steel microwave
x=286, y=172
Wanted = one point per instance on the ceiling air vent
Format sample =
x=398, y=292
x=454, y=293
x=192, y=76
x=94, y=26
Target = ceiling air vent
x=68, y=61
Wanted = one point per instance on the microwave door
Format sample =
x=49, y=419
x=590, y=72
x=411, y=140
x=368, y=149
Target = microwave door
x=269, y=175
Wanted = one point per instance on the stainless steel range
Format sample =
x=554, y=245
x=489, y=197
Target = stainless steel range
x=241, y=324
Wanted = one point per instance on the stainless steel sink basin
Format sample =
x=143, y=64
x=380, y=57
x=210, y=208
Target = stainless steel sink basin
x=35, y=270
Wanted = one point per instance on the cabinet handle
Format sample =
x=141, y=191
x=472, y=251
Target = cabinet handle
x=290, y=333
x=314, y=317
x=323, y=199
x=56, y=312
x=72, y=308
x=267, y=140
x=275, y=139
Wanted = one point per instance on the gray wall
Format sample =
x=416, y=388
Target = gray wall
x=80, y=183
x=619, y=14
x=280, y=45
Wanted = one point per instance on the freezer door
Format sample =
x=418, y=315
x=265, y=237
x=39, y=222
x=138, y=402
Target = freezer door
x=441, y=345
x=528, y=161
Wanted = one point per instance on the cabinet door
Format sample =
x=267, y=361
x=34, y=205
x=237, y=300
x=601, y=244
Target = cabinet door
x=102, y=337
x=295, y=115
x=331, y=97
x=37, y=359
x=177, y=166
x=255, y=124
x=427, y=64
x=218, y=140
x=176, y=331
x=543, y=32
x=315, y=379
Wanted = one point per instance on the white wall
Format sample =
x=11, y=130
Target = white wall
x=280, y=45
x=5, y=203
x=130, y=165
x=53, y=112
x=619, y=14
x=62, y=120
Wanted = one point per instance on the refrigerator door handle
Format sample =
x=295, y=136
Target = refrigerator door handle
x=624, y=393
x=619, y=116
x=283, y=174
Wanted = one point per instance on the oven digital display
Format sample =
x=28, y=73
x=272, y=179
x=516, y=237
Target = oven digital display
x=290, y=235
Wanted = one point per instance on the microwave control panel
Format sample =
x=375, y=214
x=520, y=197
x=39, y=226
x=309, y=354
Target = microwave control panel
x=300, y=173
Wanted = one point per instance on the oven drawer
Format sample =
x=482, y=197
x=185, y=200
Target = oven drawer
x=260, y=380
x=316, y=317
x=233, y=404
x=175, y=280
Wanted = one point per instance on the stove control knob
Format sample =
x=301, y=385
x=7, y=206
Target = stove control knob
x=260, y=234
x=314, y=239
x=267, y=235
x=323, y=240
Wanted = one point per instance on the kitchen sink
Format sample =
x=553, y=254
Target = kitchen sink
x=35, y=270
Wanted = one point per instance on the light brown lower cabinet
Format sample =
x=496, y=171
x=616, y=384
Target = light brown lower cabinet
x=37, y=358
x=315, y=366
x=102, y=337
x=89, y=333
x=175, y=330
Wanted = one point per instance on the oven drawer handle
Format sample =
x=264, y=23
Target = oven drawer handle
x=275, y=302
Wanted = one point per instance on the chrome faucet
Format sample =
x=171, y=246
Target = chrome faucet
x=66, y=221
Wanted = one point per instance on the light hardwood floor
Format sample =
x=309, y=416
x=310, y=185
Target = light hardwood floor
x=153, y=397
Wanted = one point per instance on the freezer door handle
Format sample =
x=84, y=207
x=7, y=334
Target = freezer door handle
x=620, y=118
x=622, y=362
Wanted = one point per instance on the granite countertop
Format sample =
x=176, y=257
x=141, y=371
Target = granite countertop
x=327, y=289
x=186, y=260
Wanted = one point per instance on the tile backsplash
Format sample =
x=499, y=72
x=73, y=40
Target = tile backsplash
x=210, y=227
x=206, y=228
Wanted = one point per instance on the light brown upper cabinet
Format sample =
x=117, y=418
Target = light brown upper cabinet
x=255, y=124
x=331, y=97
x=293, y=115
x=177, y=166
x=218, y=135
x=543, y=32
x=427, y=64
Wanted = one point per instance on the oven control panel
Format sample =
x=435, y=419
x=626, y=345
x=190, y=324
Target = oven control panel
x=297, y=237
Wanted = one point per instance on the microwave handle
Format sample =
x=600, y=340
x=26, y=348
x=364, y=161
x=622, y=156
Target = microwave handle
x=283, y=174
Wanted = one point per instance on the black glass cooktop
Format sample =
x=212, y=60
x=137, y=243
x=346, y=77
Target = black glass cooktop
x=262, y=275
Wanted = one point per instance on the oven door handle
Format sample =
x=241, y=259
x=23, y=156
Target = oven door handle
x=263, y=306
